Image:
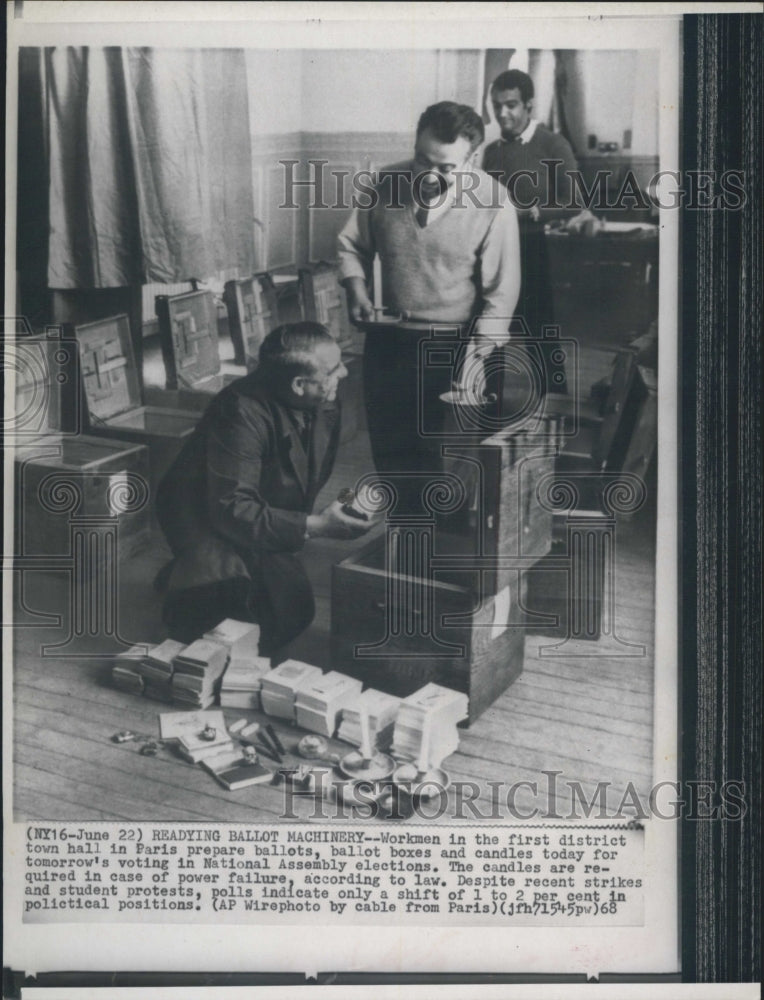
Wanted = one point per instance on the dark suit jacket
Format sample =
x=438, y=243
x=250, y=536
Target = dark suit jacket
x=242, y=486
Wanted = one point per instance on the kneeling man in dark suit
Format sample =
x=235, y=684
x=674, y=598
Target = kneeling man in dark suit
x=236, y=505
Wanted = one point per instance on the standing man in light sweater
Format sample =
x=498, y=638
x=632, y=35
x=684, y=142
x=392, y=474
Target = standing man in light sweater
x=535, y=165
x=447, y=237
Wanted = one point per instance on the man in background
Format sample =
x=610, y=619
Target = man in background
x=236, y=505
x=534, y=163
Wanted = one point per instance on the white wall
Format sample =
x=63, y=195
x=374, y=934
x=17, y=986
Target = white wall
x=275, y=90
x=367, y=91
x=347, y=90
x=621, y=92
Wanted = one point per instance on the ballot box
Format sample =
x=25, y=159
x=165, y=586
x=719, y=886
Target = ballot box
x=397, y=631
x=501, y=518
x=253, y=312
x=114, y=399
x=322, y=299
x=46, y=383
x=188, y=334
x=65, y=482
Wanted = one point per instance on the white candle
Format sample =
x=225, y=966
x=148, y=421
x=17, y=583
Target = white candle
x=424, y=747
x=377, y=281
x=365, y=735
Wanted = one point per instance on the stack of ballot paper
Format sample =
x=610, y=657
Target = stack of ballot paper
x=425, y=730
x=156, y=669
x=319, y=702
x=240, y=687
x=381, y=710
x=197, y=671
x=280, y=687
x=125, y=673
x=242, y=637
x=198, y=735
x=233, y=771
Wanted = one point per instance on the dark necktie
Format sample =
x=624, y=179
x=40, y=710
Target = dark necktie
x=305, y=425
x=421, y=216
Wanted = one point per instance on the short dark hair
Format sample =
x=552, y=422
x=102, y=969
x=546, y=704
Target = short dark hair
x=288, y=350
x=449, y=121
x=514, y=79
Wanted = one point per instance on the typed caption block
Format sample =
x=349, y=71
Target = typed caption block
x=575, y=876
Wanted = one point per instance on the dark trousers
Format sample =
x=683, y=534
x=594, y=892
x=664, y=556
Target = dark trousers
x=403, y=410
x=535, y=310
x=278, y=597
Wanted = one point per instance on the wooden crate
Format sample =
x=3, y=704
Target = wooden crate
x=188, y=334
x=114, y=398
x=567, y=586
x=253, y=312
x=58, y=478
x=503, y=519
x=398, y=632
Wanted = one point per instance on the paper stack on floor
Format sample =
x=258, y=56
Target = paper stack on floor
x=381, y=710
x=242, y=637
x=319, y=702
x=242, y=681
x=125, y=673
x=197, y=671
x=156, y=669
x=281, y=685
x=198, y=735
x=240, y=687
x=425, y=730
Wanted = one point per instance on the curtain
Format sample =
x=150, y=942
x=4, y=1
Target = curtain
x=570, y=97
x=541, y=69
x=148, y=165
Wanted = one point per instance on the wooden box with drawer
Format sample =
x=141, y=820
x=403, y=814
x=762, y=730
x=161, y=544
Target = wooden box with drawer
x=61, y=477
x=397, y=632
x=114, y=398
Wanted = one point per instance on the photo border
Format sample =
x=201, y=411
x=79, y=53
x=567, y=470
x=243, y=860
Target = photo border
x=720, y=508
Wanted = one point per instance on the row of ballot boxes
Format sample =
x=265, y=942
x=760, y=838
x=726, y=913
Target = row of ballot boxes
x=90, y=440
x=85, y=378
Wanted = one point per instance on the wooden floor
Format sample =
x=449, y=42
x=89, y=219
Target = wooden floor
x=588, y=716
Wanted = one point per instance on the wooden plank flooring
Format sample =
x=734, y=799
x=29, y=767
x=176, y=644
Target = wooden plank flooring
x=587, y=717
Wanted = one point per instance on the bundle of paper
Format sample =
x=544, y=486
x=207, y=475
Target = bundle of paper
x=197, y=671
x=156, y=669
x=240, y=687
x=381, y=710
x=242, y=637
x=198, y=735
x=319, y=702
x=156, y=665
x=125, y=673
x=233, y=770
x=425, y=730
x=280, y=687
